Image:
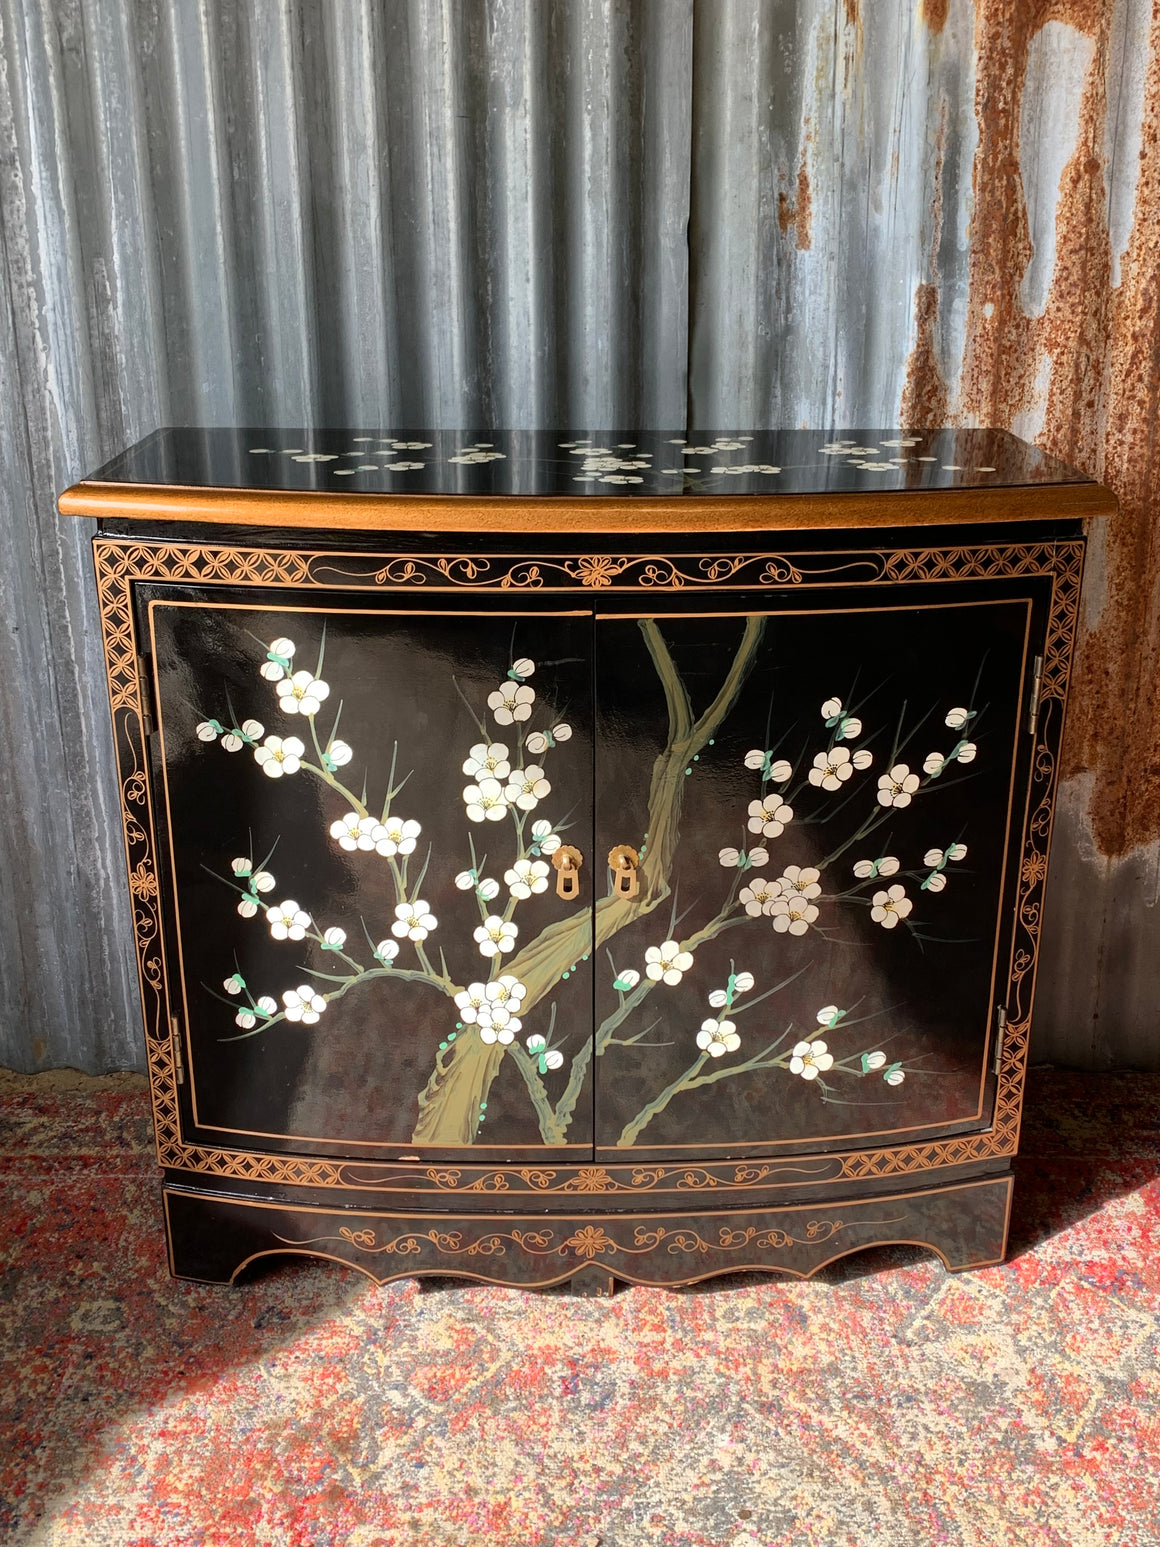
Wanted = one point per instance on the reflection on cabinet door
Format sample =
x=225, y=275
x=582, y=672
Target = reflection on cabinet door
x=828, y=844
x=371, y=944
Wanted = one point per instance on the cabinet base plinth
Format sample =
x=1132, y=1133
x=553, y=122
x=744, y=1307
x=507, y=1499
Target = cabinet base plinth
x=212, y=1238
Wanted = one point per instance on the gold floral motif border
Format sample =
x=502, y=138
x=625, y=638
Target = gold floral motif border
x=120, y=562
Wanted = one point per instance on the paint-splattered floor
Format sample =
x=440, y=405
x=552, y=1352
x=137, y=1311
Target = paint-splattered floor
x=884, y=1405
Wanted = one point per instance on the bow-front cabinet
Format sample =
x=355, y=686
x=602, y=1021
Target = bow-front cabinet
x=586, y=858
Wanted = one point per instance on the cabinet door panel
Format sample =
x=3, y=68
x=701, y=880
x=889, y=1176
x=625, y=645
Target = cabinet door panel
x=829, y=799
x=321, y=842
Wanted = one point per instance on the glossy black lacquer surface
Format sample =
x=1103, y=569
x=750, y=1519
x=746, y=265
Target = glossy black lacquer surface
x=830, y=752
x=889, y=977
x=577, y=463
x=407, y=700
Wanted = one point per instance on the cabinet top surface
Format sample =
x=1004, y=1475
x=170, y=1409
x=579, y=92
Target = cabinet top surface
x=598, y=480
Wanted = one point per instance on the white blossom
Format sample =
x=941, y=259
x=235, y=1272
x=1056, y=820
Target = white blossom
x=303, y=1004
x=869, y=869
x=302, y=693
x=769, y=816
x=466, y=880
x=758, y=896
x=809, y=1059
x=831, y=769
x=894, y=1076
x=248, y=907
x=499, y=1027
x=470, y=1001
x=965, y=752
x=539, y=741
x=626, y=980
x=246, y=1019
x=396, y=836
x=527, y=787
x=741, y=983
x=507, y=990
x=234, y=984
x=208, y=730
x=829, y=1016
x=386, y=951
x=523, y=667
x=278, y=658
x=957, y=718
x=496, y=1016
x=276, y=756
x=933, y=764
x=792, y=914
x=485, y=801
x=738, y=857
x=495, y=936
x=831, y=709
x=872, y=1061
x=487, y=761
x=862, y=758
x=241, y=867
x=334, y=938
x=413, y=921
x=353, y=831
x=287, y=920
x=801, y=881
x=890, y=906
x=779, y=771
x=262, y=881
x=511, y=702
x=549, y=1058
x=935, y=882
x=339, y=754
x=488, y=889
x=956, y=851
x=667, y=963
x=527, y=876
x=850, y=727
x=896, y=787
x=543, y=838
x=717, y=1038
x=232, y=742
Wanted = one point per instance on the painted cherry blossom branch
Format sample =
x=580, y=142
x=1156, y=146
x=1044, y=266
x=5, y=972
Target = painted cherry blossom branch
x=451, y=1101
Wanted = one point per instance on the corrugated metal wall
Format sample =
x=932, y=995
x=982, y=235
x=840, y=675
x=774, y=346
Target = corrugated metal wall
x=517, y=212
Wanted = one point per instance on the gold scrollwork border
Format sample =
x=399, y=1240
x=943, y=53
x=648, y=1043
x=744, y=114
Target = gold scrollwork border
x=120, y=562
x=589, y=1241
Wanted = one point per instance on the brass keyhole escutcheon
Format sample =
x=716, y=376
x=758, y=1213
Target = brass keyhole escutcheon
x=567, y=861
x=623, y=861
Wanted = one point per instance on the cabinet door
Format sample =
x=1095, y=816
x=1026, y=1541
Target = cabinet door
x=366, y=950
x=827, y=802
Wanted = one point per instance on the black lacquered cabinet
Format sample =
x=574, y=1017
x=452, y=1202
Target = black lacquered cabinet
x=639, y=904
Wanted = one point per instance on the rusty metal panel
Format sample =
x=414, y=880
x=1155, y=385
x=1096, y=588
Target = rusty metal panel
x=751, y=212
x=295, y=211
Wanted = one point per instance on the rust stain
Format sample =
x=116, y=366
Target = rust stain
x=1102, y=401
x=924, y=394
x=1116, y=728
x=934, y=13
x=797, y=213
x=852, y=17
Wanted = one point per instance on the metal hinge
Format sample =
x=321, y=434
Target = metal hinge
x=1000, y=1034
x=175, y=1044
x=145, y=689
x=1036, y=689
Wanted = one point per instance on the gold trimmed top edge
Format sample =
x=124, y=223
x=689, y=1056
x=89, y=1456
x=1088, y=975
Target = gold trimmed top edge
x=571, y=516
